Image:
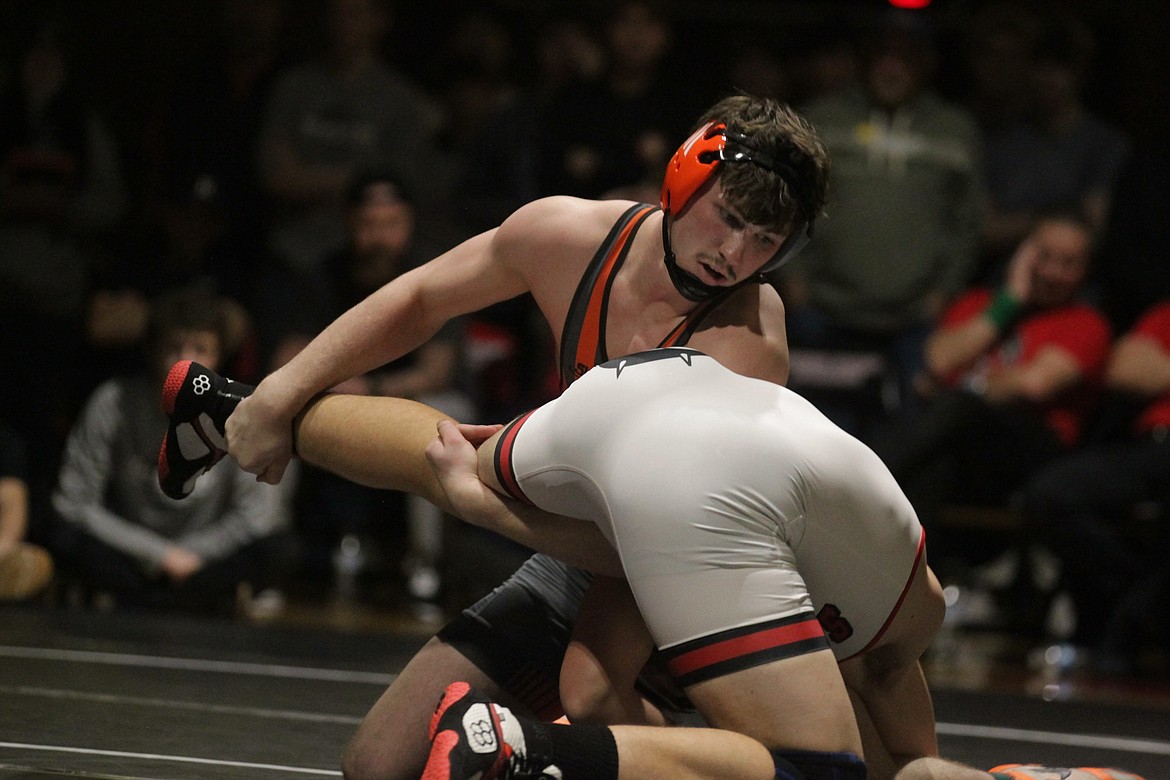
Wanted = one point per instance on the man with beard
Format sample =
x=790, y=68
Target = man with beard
x=381, y=246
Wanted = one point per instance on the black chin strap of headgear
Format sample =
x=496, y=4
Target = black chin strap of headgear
x=688, y=285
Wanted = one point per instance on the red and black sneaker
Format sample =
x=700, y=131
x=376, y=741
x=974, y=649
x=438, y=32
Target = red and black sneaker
x=198, y=402
x=473, y=738
x=467, y=739
x=1037, y=772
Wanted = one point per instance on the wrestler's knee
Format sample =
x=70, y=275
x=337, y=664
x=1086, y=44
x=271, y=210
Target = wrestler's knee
x=587, y=694
x=392, y=741
x=583, y=701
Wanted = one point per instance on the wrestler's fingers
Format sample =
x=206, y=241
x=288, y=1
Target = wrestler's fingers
x=273, y=473
x=478, y=434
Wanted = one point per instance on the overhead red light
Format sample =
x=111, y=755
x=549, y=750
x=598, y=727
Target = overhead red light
x=910, y=3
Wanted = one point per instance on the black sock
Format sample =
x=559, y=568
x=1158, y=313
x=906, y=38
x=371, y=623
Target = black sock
x=581, y=752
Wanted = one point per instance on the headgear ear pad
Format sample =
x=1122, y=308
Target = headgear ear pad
x=697, y=160
x=690, y=167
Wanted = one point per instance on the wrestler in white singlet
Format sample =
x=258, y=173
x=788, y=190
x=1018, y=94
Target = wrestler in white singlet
x=741, y=512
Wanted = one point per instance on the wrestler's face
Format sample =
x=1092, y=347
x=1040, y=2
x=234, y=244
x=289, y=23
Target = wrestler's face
x=713, y=241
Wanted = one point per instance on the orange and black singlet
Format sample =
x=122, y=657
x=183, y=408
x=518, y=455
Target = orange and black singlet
x=583, y=337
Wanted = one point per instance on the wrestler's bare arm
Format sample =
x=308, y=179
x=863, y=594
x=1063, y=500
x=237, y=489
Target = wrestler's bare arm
x=389, y=323
x=458, y=468
x=517, y=257
x=520, y=256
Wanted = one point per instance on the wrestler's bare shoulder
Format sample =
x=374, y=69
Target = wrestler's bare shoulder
x=746, y=334
x=560, y=221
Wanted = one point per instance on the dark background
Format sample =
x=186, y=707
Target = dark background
x=129, y=51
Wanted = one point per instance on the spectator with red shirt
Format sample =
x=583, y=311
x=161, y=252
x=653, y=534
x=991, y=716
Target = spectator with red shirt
x=1102, y=508
x=1010, y=377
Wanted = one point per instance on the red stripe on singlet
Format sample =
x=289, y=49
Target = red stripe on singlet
x=735, y=647
x=504, y=468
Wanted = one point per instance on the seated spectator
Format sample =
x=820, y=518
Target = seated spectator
x=1102, y=509
x=62, y=198
x=202, y=210
x=334, y=513
x=1012, y=375
x=203, y=195
x=996, y=48
x=644, y=107
x=1133, y=273
x=58, y=158
x=901, y=235
x=1061, y=155
x=829, y=64
x=25, y=569
x=328, y=118
x=118, y=533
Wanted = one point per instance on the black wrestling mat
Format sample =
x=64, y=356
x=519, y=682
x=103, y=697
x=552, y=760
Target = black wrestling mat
x=144, y=695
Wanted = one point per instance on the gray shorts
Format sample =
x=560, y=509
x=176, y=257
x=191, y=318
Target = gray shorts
x=517, y=636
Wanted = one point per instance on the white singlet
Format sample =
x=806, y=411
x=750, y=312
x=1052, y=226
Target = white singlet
x=750, y=527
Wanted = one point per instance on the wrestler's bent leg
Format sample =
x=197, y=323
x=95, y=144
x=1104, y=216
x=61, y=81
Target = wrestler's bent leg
x=799, y=702
x=888, y=684
x=509, y=645
x=391, y=743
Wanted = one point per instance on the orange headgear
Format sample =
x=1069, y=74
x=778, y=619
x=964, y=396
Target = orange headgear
x=697, y=160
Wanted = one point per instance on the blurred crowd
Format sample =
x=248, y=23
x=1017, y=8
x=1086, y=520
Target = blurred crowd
x=985, y=302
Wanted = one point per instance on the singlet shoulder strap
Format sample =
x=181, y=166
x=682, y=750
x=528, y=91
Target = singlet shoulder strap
x=583, y=337
x=680, y=334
